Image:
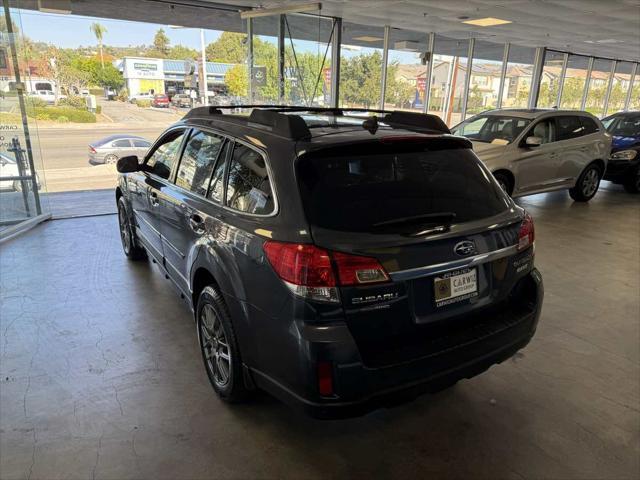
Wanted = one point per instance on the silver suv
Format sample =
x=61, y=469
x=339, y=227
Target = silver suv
x=534, y=151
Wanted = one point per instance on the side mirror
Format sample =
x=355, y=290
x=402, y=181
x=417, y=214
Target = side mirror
x=128, y=164
x=533, y=141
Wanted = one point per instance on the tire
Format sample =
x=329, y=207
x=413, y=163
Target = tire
x=632, y=184
x=130, y=245
x=505, y=182
x=111, y=158
x=587, y=184
x=219, y=347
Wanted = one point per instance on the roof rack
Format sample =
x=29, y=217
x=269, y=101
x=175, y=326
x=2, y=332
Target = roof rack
x=270, y=117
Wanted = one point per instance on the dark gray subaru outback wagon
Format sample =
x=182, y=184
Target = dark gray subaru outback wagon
x=341, y=261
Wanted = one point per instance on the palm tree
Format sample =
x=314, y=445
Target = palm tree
x=98, y=30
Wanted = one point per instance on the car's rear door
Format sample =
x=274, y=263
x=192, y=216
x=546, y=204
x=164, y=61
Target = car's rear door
x=146, y=186
x=435, y=219
x=187, y=206
x=576, y=149
x=122, y=147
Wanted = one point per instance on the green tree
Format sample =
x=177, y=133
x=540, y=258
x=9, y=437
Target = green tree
x=230, y=47
x=237, y=81
x=99, y=31
x=361, y=77
x=161, y=43
x=180, y=52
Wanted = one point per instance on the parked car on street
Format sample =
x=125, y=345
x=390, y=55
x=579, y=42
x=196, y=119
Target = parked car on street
x=160, y=101
x=110, y=149
x=9, y=168
x=534, y=151
x=181, y=100
x=339, y=262
x=46, y=95
x=624, y=162
x=140, y=96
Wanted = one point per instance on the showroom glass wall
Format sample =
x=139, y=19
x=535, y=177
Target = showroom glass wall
x=300, y=59
x=22, y=183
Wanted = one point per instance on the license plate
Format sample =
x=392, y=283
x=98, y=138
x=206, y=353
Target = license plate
x=455, y=286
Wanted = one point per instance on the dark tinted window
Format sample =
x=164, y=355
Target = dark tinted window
x=141, y=144
x=569, y=127
x=197, y=162
x=366, y=189
x=121, y=144
x=625, y=125
x=216, y=190
x=589, y=125
x=164, y=156
x=248, y=187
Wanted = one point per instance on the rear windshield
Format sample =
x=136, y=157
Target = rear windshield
x=379, y=189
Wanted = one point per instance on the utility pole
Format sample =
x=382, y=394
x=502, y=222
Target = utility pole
x=205, y=99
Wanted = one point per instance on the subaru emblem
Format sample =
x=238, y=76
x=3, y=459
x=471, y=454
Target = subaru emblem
x=464, y=248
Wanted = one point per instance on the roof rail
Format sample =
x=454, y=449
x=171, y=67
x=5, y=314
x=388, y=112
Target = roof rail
x=293, y=126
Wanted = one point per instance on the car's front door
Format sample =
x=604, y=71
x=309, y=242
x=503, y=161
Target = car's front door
x=186, y=209
x=537, y=166
x=146, y=188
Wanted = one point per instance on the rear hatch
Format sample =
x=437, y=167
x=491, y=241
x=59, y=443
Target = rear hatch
x=431, y=214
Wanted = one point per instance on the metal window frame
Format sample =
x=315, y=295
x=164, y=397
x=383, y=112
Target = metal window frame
x=536, y=77
x=250, y=59
x=587, y=83
x=467, y=79
x=503, y=73
x=336, y=48
x=632, y=78
x=607, y=96
x=427, y=83
x=563, y=74
x=385, y=60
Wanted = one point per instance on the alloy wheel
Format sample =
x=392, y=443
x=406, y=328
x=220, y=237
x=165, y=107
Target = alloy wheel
x=110, y=159
x=590, y=182
x=124, y=230
x=215, y=346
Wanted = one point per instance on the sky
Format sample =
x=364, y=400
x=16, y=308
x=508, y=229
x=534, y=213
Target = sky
x=72, y=31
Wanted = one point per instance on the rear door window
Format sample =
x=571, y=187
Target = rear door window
x=121, y=144
x=248, y=186
x=569, y=127
x=198, y=160
x=589, y=125
x=371, y=189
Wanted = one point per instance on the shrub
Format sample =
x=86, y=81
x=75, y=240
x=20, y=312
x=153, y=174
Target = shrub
x=98, y=92
x=123, y=95
x=74, y=101
x=98, y=109
x=63, y=114
x=35, y=102
x=143, y=103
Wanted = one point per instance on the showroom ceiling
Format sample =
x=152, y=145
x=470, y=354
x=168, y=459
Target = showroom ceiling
x=606, y=28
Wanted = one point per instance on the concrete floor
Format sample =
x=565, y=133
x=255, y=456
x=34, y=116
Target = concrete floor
x=101, y=375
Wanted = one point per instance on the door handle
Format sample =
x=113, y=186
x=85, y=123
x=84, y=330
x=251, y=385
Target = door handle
x=196, y=222
x=153, y=199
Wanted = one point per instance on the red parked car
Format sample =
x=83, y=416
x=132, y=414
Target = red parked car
x=160, y=100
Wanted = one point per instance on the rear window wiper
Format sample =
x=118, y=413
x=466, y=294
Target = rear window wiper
x=428, y=223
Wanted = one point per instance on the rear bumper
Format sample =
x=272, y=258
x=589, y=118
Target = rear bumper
x=361, y=389
x=619, y=171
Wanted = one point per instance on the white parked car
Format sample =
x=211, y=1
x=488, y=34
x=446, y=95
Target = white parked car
x=534, y=151
x=46, y=95
x=8, y=169
x=141, y=96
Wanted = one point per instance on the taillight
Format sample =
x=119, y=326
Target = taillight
x=91, y=149
x=526, y=236
x=305, y=269
x=308, y=270
x=356, y=270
